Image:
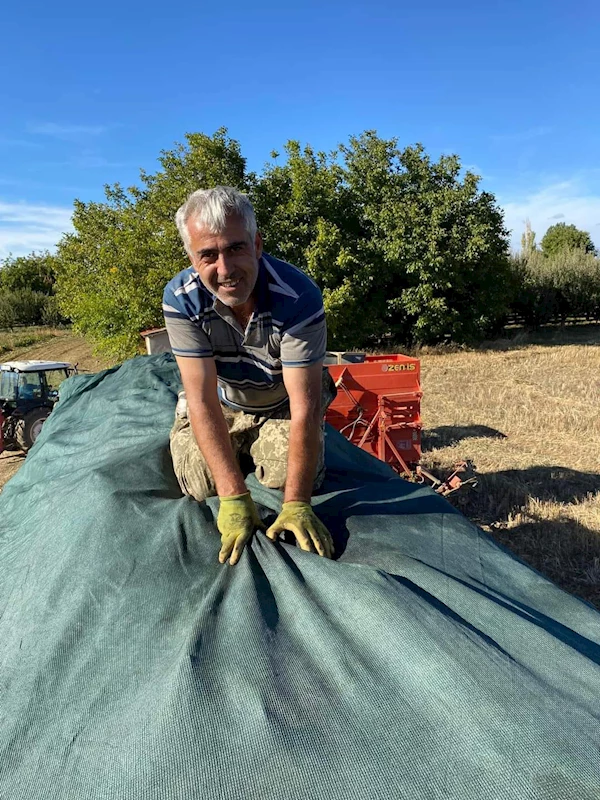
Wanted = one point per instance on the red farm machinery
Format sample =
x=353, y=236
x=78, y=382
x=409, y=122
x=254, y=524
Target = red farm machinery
x=378, y=408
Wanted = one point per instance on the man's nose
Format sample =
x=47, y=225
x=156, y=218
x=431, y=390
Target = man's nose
x=225, y=265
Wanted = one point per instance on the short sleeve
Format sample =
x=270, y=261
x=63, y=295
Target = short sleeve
x=186, y=338
x=304, y=336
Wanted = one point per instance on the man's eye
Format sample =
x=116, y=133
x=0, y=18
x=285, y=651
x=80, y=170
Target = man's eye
x=237, y=247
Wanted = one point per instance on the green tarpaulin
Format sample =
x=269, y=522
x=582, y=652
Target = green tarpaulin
x=425, y=662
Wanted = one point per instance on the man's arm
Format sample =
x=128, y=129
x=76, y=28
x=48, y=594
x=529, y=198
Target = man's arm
x=303, y=385
x=199, y=376
x=238, y=518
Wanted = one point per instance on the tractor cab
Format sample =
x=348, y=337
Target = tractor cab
x=28, y=392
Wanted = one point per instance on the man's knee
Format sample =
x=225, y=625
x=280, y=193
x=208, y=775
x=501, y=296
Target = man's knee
x=270, y=453
x=273, y=475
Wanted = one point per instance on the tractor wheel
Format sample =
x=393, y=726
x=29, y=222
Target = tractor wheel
x=29, y=428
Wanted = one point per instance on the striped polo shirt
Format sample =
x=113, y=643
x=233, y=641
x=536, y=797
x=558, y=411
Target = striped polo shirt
x=287, y=329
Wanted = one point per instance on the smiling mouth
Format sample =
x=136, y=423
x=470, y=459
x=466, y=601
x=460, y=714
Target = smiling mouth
x=229, y=284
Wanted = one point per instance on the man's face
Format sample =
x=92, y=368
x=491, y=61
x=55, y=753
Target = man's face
x=226, y=262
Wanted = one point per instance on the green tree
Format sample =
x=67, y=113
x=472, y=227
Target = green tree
x=27, y=291
x=308, y=216
x=22, y=307
x=439, y=245
x=405, y=249
x=561, y=237
x=35, y=271
x=113, y=268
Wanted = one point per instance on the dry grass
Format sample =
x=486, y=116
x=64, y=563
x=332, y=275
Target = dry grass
x=17, y=339
x=526, y=413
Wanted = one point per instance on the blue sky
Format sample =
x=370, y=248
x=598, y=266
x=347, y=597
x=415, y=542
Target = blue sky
x=92, y=93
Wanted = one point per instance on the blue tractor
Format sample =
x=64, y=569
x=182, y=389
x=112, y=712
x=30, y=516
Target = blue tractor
x=28, y=393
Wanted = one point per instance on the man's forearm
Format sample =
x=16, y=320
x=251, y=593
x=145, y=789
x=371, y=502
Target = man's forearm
x=303, y=454
x=212, y=436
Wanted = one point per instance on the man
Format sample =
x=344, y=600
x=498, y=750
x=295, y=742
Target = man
x=248, y=332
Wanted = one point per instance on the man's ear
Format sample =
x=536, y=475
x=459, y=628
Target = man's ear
x=258, y=244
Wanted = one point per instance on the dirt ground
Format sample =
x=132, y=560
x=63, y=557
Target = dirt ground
x=9, y=464
x=64, y=346
x=525, y=412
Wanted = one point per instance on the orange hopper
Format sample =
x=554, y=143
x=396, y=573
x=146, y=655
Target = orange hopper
x=378, y=406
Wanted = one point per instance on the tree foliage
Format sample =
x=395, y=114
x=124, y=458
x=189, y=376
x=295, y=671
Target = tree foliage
x=562, y=237
x=405, y=249
x=27, y=291
x=35, y=272
x=113, y=268
x=22, y=307
x=558, y=283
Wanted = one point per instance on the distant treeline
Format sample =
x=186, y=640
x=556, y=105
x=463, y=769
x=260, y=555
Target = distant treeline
x=561, y=287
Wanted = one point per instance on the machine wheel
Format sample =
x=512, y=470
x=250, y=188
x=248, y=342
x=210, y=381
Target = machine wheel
x=29, y=428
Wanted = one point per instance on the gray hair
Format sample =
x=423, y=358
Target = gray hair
x=211, y=207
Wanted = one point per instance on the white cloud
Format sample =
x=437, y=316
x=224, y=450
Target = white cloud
x=89, y=160
x=25, y=227
x=521, y=136
x=67, y=131
x=568, y=201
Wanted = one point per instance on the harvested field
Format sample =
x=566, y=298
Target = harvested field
x=524, y=411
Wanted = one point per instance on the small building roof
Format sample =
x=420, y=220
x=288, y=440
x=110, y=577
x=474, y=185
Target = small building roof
x=152, y=332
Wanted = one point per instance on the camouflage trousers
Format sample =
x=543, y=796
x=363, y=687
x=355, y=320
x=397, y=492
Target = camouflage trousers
x=262, y=440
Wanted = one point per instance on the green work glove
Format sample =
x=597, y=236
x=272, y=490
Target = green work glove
x=301, y=520
x=237, y=521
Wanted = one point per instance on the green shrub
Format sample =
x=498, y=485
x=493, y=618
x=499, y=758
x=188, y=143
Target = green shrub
x=35, y=272
x=51, y=313
x=15, y=340
x=8, y=313
x=21, y=307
